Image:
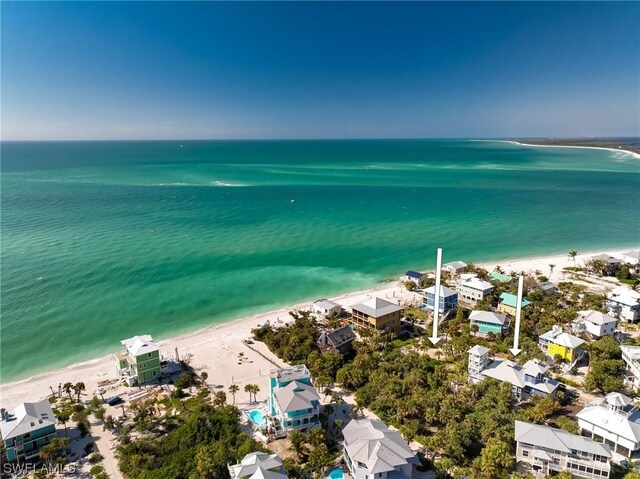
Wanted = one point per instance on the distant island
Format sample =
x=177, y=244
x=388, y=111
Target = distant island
x=629, y=144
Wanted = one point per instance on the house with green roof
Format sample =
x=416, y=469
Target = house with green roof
x=500, y=277
x=508, y=303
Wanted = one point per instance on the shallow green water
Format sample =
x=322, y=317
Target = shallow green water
x=103, y=240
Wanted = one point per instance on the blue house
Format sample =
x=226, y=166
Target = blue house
x=489, y=322
x=448, y=299
x=294, y=402
x=26, y=429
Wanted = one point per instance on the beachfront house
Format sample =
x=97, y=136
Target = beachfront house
x=326, y=308
x=631, y=357
x=371, y=450
x=547, y=451
x=258, y=465
x=448, y=299
x=378, y=314
x=338, y=341
x=555, y=342
x=595, y=323
x=472, y=289
x=631, y=257
x=489, y=322
x=414, y=277
x=611, y=264
x=455, y=267
x=26, y=429
x=293, y=401
x=526, y=381
x=612, y=420
x=139, y=361
x=508, y=303
x=500, y=277
x=624, y=303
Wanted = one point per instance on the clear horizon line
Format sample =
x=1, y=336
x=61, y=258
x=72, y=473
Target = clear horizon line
x=497, y=138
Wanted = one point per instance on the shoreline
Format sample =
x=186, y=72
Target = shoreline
x=617, y=150
x=225, y=339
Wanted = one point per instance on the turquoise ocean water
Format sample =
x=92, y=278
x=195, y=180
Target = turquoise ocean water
x=104, y=240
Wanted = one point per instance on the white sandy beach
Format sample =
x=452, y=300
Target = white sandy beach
x=617, y=150
x=215, y=349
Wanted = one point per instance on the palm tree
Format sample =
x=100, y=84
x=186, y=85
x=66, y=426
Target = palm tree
x=63, y=418
x=572, y=255
x=204, y=376
x=220, y=399
x=68, y=387
x=248, y=389
x=551, y=266
x=233, y=389
x=255, y=389
x=78, y=388
x=297, y=442
x=498, y=269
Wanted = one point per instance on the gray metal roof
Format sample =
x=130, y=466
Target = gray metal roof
x=488, y=317
x=558, y=439
x=596, y=317
x=376, y=307
x=296, y=396
x=508, y=371
x=479, y=350
x=444, y=291
x=326, y=303
x=340, y=336
x=26, y=418
x=373, y=444
x=258, y=465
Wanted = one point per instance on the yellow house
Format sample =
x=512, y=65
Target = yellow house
x=509, y=302
x=556, y=342
x=377, y=314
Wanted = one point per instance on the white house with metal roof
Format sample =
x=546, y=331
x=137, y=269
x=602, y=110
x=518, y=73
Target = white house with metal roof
x=631, y=357
x=258, y=465
x=414, y=277
x=631, y=257
x=472, y=289
x=371, y=450
x=526, y=381
x=612, y=420
x=326, y=308
x=26, y=429
x=455, y=267
x=548, y=451
x=595, y=323
x=624, y=303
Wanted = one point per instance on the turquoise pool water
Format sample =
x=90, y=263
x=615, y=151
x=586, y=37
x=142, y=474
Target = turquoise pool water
x=336, y=473
x=257, y=417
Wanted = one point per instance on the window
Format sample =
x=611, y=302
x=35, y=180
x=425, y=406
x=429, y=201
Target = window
x=149, y=355
x=525, y=453
x=155, y=373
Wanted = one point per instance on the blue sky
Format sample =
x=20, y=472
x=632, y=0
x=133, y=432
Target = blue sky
x=149, y=70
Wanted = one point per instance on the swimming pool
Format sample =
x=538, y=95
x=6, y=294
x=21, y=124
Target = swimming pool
x=335, y=473
x=256, y=417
